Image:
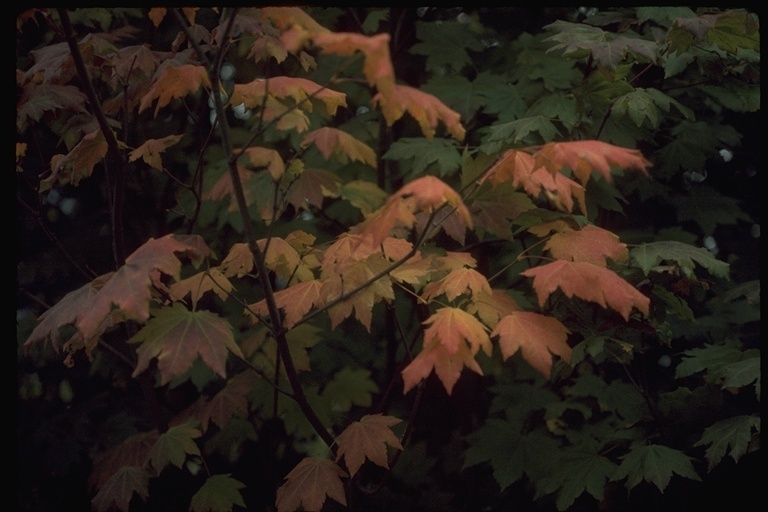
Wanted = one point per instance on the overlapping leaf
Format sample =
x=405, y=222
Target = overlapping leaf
x=590, y=244
x=219, y=493
x=78, y=163
x=150, y=151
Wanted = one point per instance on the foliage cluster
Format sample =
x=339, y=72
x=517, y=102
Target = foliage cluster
x=291, y=258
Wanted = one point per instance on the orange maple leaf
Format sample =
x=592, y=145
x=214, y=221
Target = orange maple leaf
x=492, y=307
x=523, y=170
x=199, y=284
x=537, y=337
x=590, y=282
x=585, y=156
x=450, y=343
x=308, y=484
x=425, y=108
x=296, y=301
x=258, y=157
x=378, y=69
x=238, y=262
x=590, y=244
x=151, y=149
x=425, y=194
x=367, y=438
x=458, y=282
x=173, y=83
x=78, y=163
x=332, y=141
x=300, y=90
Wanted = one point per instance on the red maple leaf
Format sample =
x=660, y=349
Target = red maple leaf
x=367, y=439
x=589, y=282
x=537, y=337
x=308, y=484
x=296, y=301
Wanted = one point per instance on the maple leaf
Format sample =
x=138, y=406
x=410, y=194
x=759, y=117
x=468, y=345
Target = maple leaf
x=492, y=307
x=523, y=170
x=296, y=300
x=129, y=288
x=731, y=435
x=311, y=187
x=450, y=343
x=426, y=194
x=66, y=312
x=493, y=207
x=650, y=255
x=41, y=98
x=425, y=108
x=300, y=90
x=345, y=147
x=378, y=69
x=590, y=244
x=578, y=470
x=151, y=149
x=308, y=484
x=219, y=493
x=350, y=387
x=199, y=284
x=655, y=464
x=258, y=157
x=367, y=439
x=78, y=163
x=132, y=451
x=231, y=401
x=458, y=282
x=176, y=336
x=589, y=282
x=173, y=446
x=120, y=488
x=173, y=83
x=238, y=262
x=584, y=156
x=538, y=337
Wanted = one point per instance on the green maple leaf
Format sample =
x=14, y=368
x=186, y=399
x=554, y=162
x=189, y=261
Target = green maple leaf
x=423, y=153
x=508, y=134
x=177, y=336
x=445, y=44
x=708, y=208
x=173, y=446
x=510, y=454
x=743, y=373
x=730, y=436
x=219, y=493
x=457, y=92
x=578, y=471
x=655, y=464
x=500, y=96
x=350, y=387
x=735, y=30
x=493, y=207
x=642, y=104
x=709, y=358
x=647, y=256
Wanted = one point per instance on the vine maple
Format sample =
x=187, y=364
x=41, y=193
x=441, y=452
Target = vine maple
x=331, y=263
